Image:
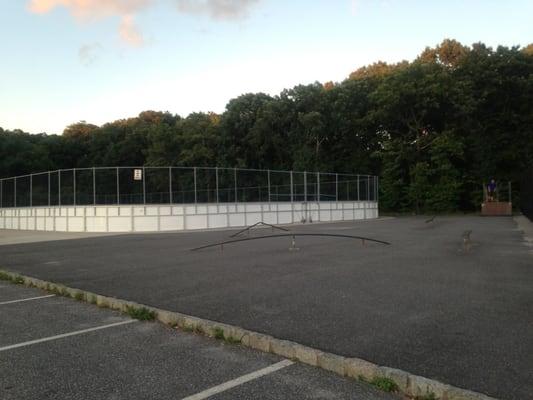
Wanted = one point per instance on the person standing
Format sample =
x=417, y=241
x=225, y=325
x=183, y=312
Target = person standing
x=491, y=190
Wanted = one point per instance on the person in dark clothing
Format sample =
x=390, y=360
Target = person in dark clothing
x=491, y=190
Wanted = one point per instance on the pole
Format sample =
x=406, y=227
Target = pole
x=144, y=185
x=268, y=179
x=318, y=186
x=74, y=184
x=358, y=197
x=48, y=188
x=337, y=188
x=510, y=193
x=1, y=193
x=15, y=194
x=94, y=186
x=216, y=182
x=235, y=182
x=118, y=187
x=31, y=190
x=195, y=196
x=292, y=190
x=377, y=189
x=170, y=185
x=368, y=188
x=58, y=187
x=305, y=186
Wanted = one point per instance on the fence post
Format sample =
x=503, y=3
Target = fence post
x=59, y=188
x=1, y=193
x=377, y=189
x=235, y=182
x=337, y=188
x=318, y=186
x=48, y=188
x=268, y=180
x=144, y=185
x=305, y=186
x=367, y=188
x=74, y=184
x=358, y=197
x=170, y=185
x=216, y=183
x=15, y=192
x=195, y=196
x=31, y=190
x=292, y=190
x=118, y=187
x=94, y=186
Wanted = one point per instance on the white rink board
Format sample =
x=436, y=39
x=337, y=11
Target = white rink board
x=164, y=217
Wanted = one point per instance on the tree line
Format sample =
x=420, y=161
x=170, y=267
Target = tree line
x=433, y=129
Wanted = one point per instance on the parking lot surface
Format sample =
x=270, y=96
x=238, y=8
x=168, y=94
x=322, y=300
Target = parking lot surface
x=425, y=304
x=57, y=348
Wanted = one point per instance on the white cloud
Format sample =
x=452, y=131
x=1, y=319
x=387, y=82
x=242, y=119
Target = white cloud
x=217, y=9
x=127, y=10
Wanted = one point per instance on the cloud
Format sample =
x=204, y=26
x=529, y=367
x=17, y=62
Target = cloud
x=127, y=10
x=90, y=10
x=89, y=53
x=129, y=32
x=217, y=9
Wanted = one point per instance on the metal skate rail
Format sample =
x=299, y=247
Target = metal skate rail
x=293, y=236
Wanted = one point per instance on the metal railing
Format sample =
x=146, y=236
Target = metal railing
x=181, y=185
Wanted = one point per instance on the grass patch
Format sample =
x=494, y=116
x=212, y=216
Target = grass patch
x=79, y=296
x=218, y=333
x=93, y=300
x=232, y=340
x=5, y=277
x=188, y=328
x=385, y=384
x=142, y=314
x=199, y=330
x=19, y=280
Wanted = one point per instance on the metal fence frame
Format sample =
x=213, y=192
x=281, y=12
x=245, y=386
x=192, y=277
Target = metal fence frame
x=300, y=186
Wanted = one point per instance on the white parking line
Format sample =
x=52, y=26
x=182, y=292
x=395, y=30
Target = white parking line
x=26, y=299
x=64, y=335
x=239, y=381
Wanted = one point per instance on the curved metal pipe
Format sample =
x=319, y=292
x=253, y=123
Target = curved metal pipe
x=291, y=235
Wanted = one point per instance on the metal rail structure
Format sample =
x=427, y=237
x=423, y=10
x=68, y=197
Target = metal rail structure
x=260, y=223
x=181, y=185
x=292, y=235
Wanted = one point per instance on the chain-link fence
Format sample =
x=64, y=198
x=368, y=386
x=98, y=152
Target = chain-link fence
x=181, y=185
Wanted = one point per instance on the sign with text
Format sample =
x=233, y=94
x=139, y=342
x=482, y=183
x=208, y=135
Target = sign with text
x=137, y=174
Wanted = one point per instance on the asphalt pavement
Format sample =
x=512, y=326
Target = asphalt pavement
x=57, y=348
x=425, y=304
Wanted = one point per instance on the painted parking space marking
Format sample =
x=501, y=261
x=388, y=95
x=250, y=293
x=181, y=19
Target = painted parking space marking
x=239, y=381
x=64, y=335
x=26, y=299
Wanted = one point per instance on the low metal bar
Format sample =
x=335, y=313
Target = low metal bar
x=291, y=235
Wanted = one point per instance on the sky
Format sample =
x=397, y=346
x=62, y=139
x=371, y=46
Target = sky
x=64, y=61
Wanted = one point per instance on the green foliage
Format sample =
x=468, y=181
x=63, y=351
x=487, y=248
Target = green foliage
x=218, y=333
x=385, y=384
x=142, y=314
x=434, y=129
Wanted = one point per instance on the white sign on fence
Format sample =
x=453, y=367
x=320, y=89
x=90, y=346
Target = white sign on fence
x=137, y=174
